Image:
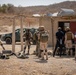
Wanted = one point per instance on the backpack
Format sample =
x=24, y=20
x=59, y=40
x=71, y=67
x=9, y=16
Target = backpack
x=44, y=36
x=69, y=36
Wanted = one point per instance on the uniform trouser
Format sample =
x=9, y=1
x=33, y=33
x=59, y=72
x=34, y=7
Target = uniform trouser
x=43, y=48
x=68, y=46
x=60, y=48
x=37, y=48
x=27, y=44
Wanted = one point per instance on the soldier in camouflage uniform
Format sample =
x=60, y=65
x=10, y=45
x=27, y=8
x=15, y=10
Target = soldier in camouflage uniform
x=69, y=37
x=27, y=36
x=37, y=42
x=43, y=38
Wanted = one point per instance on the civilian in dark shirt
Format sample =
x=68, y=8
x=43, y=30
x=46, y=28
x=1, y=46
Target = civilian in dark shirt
x=59, y=40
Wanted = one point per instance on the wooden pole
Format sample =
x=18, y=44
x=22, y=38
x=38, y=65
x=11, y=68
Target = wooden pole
x=52, y=34
x=13, y=36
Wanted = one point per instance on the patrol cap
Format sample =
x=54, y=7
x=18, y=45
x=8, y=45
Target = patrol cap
x=41, y=28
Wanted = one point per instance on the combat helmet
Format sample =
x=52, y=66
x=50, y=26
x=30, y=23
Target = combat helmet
x=41, y=28
x=59, y=28
x=67, y=29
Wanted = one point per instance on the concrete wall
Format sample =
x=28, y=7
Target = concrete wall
x=51, y=24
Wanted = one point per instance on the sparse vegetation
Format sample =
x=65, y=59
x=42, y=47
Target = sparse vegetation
x=9, y=8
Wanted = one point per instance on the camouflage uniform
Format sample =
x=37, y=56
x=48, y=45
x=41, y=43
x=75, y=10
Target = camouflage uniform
x=43, y=43
x=27, y=36
x=68, y=40
x=37, y=42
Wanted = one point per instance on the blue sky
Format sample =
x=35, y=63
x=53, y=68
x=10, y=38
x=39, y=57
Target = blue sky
x=31, y=2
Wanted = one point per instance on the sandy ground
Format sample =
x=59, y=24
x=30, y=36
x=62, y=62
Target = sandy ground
x=34, y=66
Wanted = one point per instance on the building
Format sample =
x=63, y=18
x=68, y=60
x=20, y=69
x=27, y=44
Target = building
x=64, y=19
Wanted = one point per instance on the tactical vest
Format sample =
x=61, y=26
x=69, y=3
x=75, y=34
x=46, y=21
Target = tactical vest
x=35, y=37
x=27, y=35
x=44, y=37
x=69, y=36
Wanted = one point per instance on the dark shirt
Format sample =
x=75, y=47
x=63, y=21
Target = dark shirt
x=59, y=35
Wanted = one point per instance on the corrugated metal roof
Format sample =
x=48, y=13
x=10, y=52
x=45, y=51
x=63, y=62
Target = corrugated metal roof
x=66, y=12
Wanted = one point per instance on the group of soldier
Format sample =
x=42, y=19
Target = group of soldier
x=64, y=40
x=41, y=37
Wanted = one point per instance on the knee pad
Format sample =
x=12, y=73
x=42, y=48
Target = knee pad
x=46, y=50
x=41, y=50
x=28, y=46
x=25, y=47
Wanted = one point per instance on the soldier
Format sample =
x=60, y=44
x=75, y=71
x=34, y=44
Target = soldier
x=37, y=41
x=69, y=37
x=27, y=36
x=43, y=38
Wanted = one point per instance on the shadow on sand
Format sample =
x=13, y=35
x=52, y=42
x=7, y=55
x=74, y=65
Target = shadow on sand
x=41, y=61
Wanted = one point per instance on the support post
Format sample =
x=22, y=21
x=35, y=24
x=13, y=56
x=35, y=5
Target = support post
x=21, y=33
x=13, y=36
x=52, y=34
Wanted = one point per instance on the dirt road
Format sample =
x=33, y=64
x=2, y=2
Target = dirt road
x=34, y=66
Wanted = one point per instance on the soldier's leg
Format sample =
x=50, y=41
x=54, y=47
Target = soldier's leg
x=42, y=54
x=67, y=48
x=55, y=49
x=71, y=51
x=25, y=47
x=46, y=53
x=28, y=48
x=37, y=48
x=41, y=50
x=67, y=51
x=60, y=50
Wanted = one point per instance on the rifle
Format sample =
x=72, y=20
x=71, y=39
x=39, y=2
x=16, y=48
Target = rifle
x=2, y=45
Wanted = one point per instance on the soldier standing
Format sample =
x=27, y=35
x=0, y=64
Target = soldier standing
x=43, y=38
x=69, y=37
x=37, y=42
x=27, y=36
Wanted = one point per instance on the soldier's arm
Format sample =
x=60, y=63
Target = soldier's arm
x=24, y=36
x=73, y=36
x=1, y=43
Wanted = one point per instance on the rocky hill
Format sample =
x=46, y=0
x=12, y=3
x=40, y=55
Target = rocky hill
x=40, y=9
x=48, y=9
x=4, y=23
